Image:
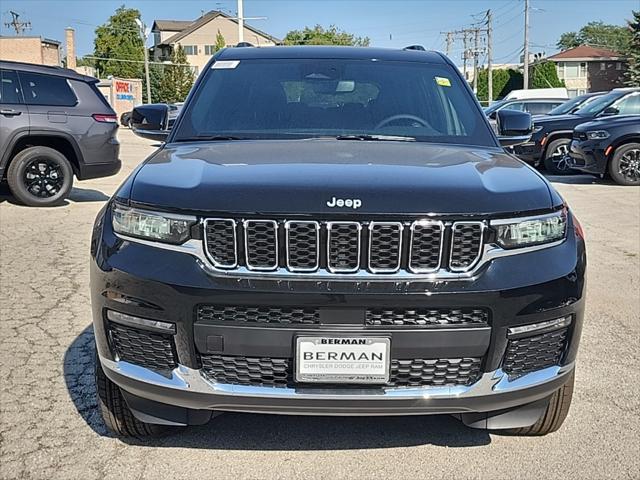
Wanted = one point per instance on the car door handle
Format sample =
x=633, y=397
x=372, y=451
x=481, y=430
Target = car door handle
x=10, y=112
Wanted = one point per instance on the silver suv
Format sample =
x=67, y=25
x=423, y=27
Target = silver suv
x=54, y=124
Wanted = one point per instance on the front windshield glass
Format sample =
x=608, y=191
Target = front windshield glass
x=595, y=107
x=302, y=98
x=567, y=106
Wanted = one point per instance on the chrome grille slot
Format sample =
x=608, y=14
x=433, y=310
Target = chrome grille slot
x=303, y=246
x=466, y=245
x=343, y=247
x=385, y=244
x=426, y=246
x=221, y=243
x=261, y=244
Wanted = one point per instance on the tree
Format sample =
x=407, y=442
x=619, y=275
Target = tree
x=633, y=52
x=119, y=39
x=544, y=75
x=220, y=41
x=503, y=82
x=318, y=35
x=597, y=34
x=177, y=78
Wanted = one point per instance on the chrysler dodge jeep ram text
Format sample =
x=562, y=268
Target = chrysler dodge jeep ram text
x=336, y=231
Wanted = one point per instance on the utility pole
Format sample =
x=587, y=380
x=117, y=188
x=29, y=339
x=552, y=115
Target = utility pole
x=476, y=53
x=16, y=24
x=240, y=22
x=144, y=34
x=489, y=57
x=449, y=42
x=464, y=53
x=526, y=45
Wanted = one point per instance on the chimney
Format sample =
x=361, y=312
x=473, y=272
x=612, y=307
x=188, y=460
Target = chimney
x=70, y=38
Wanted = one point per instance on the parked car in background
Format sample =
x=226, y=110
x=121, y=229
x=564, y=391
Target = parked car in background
x=529, y=93
x=534, y=106
x=125, y=119
x=54, y=124
x=570, y=106
x=608, y=145
x=553, y=133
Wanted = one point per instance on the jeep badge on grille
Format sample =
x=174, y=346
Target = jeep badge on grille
x=344, y=202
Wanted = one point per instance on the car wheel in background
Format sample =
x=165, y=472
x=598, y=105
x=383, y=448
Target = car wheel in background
x=40, y=177
x=624, y=166
x=556, y=158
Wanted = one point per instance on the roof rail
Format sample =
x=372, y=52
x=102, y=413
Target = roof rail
x=415, y=47
x=245, y=44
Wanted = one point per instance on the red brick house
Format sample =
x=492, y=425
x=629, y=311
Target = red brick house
x=590, y=69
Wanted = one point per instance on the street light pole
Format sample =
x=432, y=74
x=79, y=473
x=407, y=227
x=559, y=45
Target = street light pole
x=144, y=35
x=240, y=22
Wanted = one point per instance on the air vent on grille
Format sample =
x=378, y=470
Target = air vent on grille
x=146, y=349
x=260, y=315
x=303, y=246
x=427, y=317
x=343, y=248
x=426, y=246
x=220, y=242
x=278, y=372
x=466, y=244
x=525, y=355
x=261, y=244
x=385, y=244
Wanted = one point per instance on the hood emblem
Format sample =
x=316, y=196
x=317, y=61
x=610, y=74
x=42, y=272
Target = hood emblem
x=354, y=203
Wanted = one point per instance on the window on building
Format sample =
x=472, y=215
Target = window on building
x=573, y=70
x=9, y=88
x=603, y=66
x=583, y=70
x=190, y=49
x=618, y=65
x=46, y=90
x=209, y=49
x=560, y=67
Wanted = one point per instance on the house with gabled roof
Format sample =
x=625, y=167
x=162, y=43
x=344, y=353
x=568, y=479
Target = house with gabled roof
x=590, y=69
x=198, y=37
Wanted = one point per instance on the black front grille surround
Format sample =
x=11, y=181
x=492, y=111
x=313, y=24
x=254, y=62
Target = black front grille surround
x=343, y=247
x=374, y=317
x=141, y=347
x=278, y=372
x=528, y=354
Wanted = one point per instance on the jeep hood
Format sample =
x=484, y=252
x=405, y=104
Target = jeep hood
x=301, y=176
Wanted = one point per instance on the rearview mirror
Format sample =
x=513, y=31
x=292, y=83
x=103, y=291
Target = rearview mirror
x=151, y=121
x=514, y=127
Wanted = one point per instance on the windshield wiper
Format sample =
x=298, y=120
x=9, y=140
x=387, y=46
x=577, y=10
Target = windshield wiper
x=210, y=138
x=373, y=138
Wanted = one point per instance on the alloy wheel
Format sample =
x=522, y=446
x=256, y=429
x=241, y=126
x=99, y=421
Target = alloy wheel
x=629, y=166
x=43, y=178
x=560, y=157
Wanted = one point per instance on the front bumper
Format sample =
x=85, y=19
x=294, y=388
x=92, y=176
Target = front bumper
x=168, y=286
x=588, y=156
x=530, y=152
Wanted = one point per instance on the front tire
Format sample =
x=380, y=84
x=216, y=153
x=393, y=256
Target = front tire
x=624, y=166
x=554, y=415
x=40, y=177
x=116, y=415
x=556, y=157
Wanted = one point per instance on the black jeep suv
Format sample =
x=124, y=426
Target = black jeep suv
x=336, y=231
x=552, y=134
x=54, y=124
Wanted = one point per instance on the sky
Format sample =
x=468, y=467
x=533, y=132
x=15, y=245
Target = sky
x=388, y=23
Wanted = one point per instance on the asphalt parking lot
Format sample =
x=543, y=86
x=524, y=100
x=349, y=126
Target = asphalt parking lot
x=49, y=426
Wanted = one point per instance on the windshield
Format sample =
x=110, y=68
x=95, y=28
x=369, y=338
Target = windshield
x=569, y=105
x=599, y=104
x=351, y=99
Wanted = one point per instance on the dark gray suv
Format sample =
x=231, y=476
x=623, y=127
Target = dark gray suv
x=54, y=124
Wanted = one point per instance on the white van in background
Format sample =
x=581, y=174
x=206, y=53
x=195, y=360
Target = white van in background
x=538, y=93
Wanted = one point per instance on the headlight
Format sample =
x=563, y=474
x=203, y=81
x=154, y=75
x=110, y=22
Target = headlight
x=597, y=135
x=529, y=231
x=163, y=227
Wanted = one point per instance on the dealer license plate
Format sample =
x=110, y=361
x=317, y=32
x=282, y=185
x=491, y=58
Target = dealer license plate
x=342, y=359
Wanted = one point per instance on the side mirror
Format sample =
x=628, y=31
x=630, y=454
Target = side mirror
x=151, y=121
x=493, y=115
x=514, y=127
x=609, y=111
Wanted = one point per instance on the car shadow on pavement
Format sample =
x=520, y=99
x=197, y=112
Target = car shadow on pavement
x=77, y=195
x=581, y=179
x=236, y=431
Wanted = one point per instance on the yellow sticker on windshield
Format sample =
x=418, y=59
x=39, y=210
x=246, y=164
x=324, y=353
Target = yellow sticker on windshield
x=443, y=81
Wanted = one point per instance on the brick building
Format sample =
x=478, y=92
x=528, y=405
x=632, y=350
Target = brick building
x=42, y=51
